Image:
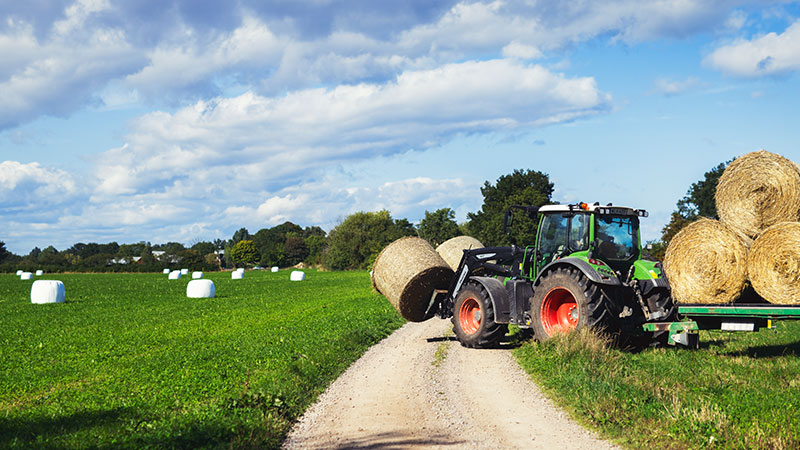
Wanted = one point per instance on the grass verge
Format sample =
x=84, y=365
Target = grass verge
x=130, y=362
x=739, y=390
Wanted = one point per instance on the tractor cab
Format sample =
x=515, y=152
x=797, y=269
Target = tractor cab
x=603, y=233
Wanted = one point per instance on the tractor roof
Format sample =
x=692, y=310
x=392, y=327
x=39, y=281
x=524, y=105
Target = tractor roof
x=595, y=208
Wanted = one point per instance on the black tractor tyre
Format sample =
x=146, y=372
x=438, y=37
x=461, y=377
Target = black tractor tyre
x=565, y=299
x=473, y=318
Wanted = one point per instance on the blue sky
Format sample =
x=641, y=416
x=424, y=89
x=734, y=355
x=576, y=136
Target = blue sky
x=184, y=121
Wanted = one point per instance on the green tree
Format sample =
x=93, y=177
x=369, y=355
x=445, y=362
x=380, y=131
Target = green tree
x=316, y=246
x=528, y=188
x=191, y=259
x=240, y=235
x=295, y=250
x=4, y=253
x=203, y=247
x=438, y=226
x=244, y=253
x=356, y=242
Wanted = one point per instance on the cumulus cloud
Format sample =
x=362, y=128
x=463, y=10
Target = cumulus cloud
x=270, y=141
x=28, y=186
x=769, y=54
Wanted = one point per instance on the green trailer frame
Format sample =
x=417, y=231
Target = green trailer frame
x=741, y=317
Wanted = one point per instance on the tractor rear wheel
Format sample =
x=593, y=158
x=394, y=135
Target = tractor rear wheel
x=565, y=299
x=473, y=318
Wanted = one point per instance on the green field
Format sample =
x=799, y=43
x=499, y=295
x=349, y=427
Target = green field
x=130, y=362
x=738, y=391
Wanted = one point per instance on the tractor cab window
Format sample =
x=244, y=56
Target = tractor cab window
x=616, y=237
x=561, y=235
x=579, y=233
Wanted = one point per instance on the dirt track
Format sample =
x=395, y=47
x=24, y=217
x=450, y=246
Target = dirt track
x=419, y=388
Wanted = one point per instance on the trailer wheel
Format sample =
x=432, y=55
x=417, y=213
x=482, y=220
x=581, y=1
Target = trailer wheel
x=565, y=299
x=473, y=318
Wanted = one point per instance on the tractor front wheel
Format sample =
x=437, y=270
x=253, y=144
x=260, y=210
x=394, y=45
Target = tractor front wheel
x=473, y=318
x=566, y=300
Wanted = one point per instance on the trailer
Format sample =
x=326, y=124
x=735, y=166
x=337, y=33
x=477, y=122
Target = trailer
x=735, y=317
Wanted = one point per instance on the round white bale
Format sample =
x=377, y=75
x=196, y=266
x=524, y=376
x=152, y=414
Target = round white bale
x=200, y=289
x=39, y=272
x=47, y=291
x=19, y=272
x=197, y=275
x=236, y=275
x=165, y=271
x=26, y=276
x=174, y=275
x=274, y=268
x=297, y=275
x=184, y=271
x=240, y=269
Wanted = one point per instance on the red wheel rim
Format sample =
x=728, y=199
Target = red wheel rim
x=559, y=311
x=469, y=315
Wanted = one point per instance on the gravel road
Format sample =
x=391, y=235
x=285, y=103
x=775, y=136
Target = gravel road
x=419, y=388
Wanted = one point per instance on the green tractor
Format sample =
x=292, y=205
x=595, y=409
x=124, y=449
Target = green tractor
x=585, y=270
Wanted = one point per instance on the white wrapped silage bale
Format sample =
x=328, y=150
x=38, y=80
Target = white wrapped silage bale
x=47, y=291
x=174, y=275
x=165, y=271
x=26, y=276
x=200, y=289
x=297, y=275
x=240, y=269
x=19, y=272
x=197, y=275
x=236, y=275
x=274, y=269
x=39, y=272
x=184, y=271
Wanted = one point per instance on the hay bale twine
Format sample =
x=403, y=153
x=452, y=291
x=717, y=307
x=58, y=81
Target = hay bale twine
x=165, y=271
x=452, y=250
x=47, y=291
x=758, y=190
x=39, y=272
x=297, y=275
x=174, y=275
x=200, y=289
x=236, y=275
x=406, y=272
x=274, y=269
x=773, y=264
x=26, y=276
x=706, y=262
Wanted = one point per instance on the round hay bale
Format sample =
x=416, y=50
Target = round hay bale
x=197, y=275
x=297, y=275
x=39, y=272
x=165, y=271
x=773, y=264
x=236, y=275
x=47, y=291
x=274, y=269
x=758, y=190
x=174, y=275
x=452, y=250
x=26, y=276
x=200, y=289
x=19, y=272
x=706, y=262
x=184, y=271
x=406, y=272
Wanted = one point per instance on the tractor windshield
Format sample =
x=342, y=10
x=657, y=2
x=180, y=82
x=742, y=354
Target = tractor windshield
x=617, y=237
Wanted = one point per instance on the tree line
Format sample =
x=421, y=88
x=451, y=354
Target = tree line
x=355, y=242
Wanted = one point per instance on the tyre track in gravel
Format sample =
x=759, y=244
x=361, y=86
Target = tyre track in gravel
x=419, y=388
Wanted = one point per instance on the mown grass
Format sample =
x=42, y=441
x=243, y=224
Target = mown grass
x=739, y=390
x=130, y=362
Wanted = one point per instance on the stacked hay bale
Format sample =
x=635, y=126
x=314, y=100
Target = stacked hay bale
x=407, y=272
x=452, y=250
x=711, y=261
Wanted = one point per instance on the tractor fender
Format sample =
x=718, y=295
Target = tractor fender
x=498, y=296
x=584, y=267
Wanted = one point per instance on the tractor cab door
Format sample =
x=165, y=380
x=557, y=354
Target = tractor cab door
x=560, y=234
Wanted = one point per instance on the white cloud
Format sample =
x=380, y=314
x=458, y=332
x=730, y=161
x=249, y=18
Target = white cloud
x=769, y=54
x=669, y=87
x=28, y=186
x=251, y=141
